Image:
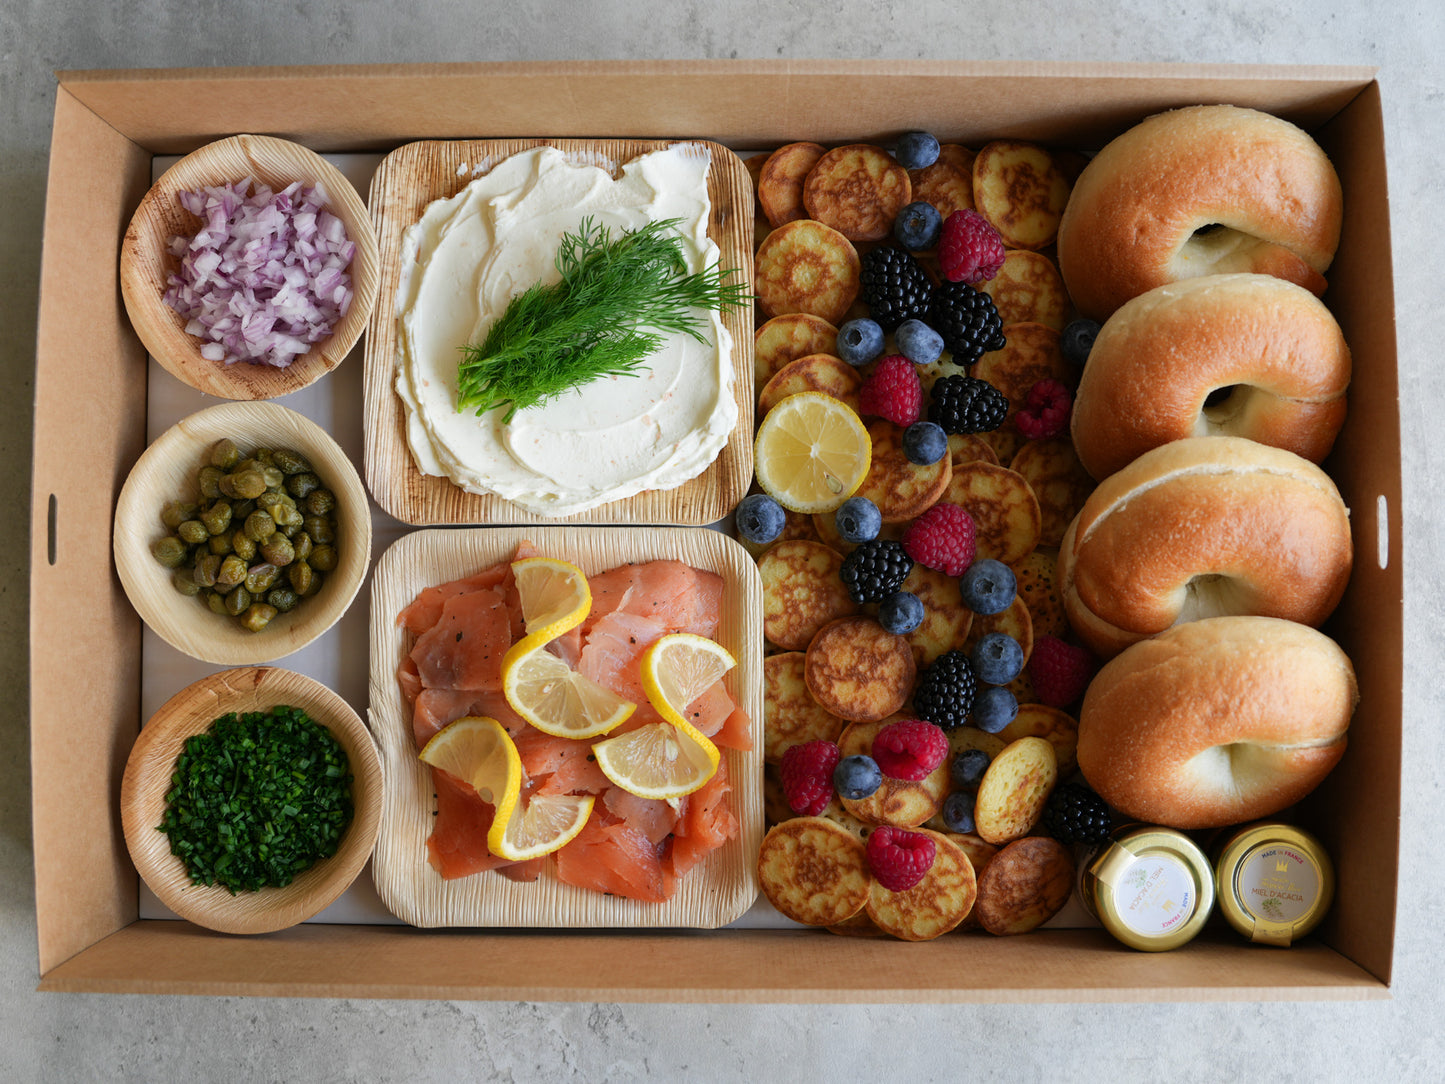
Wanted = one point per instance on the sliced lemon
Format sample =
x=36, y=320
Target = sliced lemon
x=554, y=698
x=545, y=823
x=555, y=596
x=479, y=751
x=678, y=668
x=812, y=452
x=659, y=760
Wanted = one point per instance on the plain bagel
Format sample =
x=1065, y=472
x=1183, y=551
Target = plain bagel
x=1204, y=527
x=1217, y=722
x=1241, y=355
x=1199, y=191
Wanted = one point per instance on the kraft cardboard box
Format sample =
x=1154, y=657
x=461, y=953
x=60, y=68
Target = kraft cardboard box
x=90, y=403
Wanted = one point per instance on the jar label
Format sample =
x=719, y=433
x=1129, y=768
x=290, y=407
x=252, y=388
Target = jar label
x=1155, y=895
x=1278, y=884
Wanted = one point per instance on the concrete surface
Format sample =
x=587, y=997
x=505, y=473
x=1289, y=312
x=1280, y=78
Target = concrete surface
x=63, y=1038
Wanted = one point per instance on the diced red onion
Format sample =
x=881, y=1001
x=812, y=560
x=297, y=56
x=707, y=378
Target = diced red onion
x=265, y=277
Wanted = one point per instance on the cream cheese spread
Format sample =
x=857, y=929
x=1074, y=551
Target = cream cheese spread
x=471, y=254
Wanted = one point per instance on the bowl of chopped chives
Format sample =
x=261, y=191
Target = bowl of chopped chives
x=251, y=800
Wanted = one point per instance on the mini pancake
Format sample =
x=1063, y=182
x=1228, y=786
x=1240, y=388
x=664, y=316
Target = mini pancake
x=801, y=591
x=1035, y=576
x=806, y=267
x=858, y=190
x=901, y=803
x=858, y=670
x=963, y=738
x=1029, y=289
x=1022, y=192
x=1006, y=516
x=1031, y=354
x=1015, y=621
x=970, y=448
x=860, y=925
x=979, y=854
x=813, y=871
x=1059, y=481
x=901, y=489
x=1058, y=728
x=790, y=714
x=1015, y=789
x=948, y=183
x=775, y=804
x=1026, y=884
x=815, y=372
x=780, y=181
x=936, y=904
x=787, y=338
x=946, y=620
x=837, y=812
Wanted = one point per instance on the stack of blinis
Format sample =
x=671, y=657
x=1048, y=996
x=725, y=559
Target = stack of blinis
x=1214, y=544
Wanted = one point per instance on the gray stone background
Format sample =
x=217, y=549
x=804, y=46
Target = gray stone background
x=81, y=1037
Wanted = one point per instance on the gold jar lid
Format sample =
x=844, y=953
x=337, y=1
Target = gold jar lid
x=1152, y=888
x=1275, y=882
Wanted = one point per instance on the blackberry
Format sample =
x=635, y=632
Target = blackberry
x=967, y=320
x=894, y=286
x=875, y=570
x=944, y=693
x=966, y=404
x=1075, y=814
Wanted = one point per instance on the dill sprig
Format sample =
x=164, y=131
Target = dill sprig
x=604, y=318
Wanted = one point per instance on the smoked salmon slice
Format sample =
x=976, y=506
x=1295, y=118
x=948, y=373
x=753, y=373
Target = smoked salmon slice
x=614, y=858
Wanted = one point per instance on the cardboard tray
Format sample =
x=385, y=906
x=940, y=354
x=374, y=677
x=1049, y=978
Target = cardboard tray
x=90, y=399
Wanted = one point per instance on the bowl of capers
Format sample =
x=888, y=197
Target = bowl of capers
x=242, y=533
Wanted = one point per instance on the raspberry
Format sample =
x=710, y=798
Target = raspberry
x=893, y=391
x=910, y=749
x=970, y=250
x=900, y=859
x=942, y=539
x=1046, y=414
x=1060, y=671
x=807, y=774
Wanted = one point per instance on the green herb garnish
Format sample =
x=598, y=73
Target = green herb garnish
x=590, y=324
x=257, y=799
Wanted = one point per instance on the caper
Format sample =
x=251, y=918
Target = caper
x=217, y=518
x=240, y=509
x=210, y=482
x=302, y=545
x=259, y=526
x=193, y=531
x=287, y=514
x=174, y=513
x=317, y=579
x=207, y=568
x=216, y=602
x=232, y=571
x=247, y=483
x=277, y=549
x=300, y=575
x=260, y=578
x=322, y=558
x=241, y=546
x=320, y=529
x=170, y=551
x=283, y=598
x=238, y=601
x=273, y=477
x=320, y=502
x=299, y=485
x=224, y=454
x=290, y=461
x=220, y=544
x=184, y=582
x=257, y=616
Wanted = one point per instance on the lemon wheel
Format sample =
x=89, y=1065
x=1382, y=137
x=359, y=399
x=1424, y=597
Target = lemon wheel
x=812, y=452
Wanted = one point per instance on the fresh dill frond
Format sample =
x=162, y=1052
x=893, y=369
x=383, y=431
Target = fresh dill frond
x=604, y=318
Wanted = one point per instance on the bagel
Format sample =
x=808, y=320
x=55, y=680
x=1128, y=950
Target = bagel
x=1217, y=722
x=1199, y=191
x=1204, y=527
x=1240, y=354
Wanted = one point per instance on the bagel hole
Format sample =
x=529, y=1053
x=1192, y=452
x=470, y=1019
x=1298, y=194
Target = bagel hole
x=1223, y=406
x=1210, y=594
x=1208, y=228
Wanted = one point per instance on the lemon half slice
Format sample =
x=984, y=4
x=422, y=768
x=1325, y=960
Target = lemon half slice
x=678, y=668
x=554, y=594
x=479, y=751
x=554, y=698
x=659, y=760
x=812, y=452
x=546, y=823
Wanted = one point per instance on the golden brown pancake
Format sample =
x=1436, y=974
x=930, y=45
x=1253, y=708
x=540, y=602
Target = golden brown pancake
x=858, y=190
x=858, y=670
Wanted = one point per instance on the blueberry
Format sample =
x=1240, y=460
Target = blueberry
x=994, y=709
x=918, y=226
x=987, y=586
x=925, y=443
x=858, y=520
x=857, y=777
x=958, y=811
x=968, y=767
x=918, y=342
x=759, y=518
x=916, y=150
x=860, y=341
x=997, y=658
x=901, y=612
x=1078, y=340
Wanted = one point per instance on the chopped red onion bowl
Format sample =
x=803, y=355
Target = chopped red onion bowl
x=266, y=276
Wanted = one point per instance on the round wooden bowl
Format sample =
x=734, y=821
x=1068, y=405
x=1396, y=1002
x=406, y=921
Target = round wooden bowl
x=146, y=264
x=147, y=779
x=167, y=471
